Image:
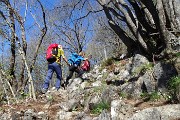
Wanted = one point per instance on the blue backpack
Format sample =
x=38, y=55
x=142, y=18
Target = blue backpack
x=75, y=59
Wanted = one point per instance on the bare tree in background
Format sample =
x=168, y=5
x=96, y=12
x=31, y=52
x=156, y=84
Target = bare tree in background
x=43, y=33
x=148, y=27
x=109, y=40
x=75, y=37
x=20, y=41
x=72, y=33
x=12, y=15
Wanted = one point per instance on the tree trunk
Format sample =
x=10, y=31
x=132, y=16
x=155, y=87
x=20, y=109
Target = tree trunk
x=154, y=24
x=22, y=50
x=12, y=59
x=122, y=34
x=162, y=20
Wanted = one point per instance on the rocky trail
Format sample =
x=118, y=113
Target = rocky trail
x=101, y=95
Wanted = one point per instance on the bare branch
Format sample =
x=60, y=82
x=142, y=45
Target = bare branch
x=74, y=7
x=44, y=30
x=88, y=14
x=25, y=14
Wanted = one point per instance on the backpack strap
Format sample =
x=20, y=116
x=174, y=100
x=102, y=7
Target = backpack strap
x=72, y=58
x=71, y=61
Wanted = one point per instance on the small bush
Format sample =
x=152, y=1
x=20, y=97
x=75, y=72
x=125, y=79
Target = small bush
x=173, y=83
x=99, y=89
x=154, y=96
x=177, y=54
x=107, y=62
x=173, y=87
x=23, y=95
x=98, y=108
x=123, y=95
x=143, y=68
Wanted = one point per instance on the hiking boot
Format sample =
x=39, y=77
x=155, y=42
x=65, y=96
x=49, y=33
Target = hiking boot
x=54, y=89
x=63, y=85
x=43, y=90
x=66, y=83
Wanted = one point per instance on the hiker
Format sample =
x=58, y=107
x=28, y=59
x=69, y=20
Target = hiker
x=75, y=62
x=86, y=64
x=54, y=65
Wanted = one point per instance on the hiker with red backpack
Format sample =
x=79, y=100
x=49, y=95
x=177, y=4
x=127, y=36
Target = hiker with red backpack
x=75, y=62
x=54, y=54
x=86, y=64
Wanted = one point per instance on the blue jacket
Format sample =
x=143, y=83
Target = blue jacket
x=75, y=59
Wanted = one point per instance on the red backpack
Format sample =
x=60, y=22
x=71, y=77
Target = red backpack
x=86, y=65
x=52, y=52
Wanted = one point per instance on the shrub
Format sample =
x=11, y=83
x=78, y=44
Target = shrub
x=107, y=62
x=99, y=89
x=174, y=90
x=154, y=96
x=98, y=108
x=23, y=95
x=178, y=54
x=123, y=95
x=143, y=68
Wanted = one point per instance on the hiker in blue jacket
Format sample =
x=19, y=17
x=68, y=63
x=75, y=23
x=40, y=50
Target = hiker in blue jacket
x=75, y=62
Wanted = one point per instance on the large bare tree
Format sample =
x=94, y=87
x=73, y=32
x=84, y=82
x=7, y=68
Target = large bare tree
x=153, y=25
x=148, y=27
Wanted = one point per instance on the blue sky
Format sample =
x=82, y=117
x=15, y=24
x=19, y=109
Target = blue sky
x=30, y=22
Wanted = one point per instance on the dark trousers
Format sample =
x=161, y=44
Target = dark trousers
x=73, y=69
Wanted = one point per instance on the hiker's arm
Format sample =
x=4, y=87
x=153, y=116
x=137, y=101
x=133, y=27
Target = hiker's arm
x=64, y=58
x=83, y=59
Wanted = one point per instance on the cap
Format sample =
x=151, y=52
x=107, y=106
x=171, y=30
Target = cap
x=60, y=46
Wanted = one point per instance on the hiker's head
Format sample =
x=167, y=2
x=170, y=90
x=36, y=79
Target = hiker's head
x=82, y=54
x=89, y=56
x=60, y=46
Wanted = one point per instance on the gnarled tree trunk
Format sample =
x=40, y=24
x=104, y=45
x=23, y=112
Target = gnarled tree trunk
x=154, y=25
